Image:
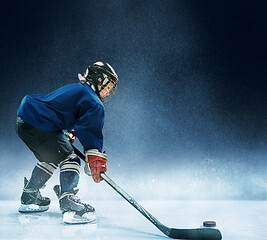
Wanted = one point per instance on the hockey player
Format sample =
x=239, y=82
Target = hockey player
x=41, y=122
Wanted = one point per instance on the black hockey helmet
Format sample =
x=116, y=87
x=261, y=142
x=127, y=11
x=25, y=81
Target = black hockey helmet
x=100, y=74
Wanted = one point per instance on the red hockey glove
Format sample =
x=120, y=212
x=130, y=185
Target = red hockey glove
x=71, y=135
x=97, y=162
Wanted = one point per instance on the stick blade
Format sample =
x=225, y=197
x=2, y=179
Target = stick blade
x=196, y=234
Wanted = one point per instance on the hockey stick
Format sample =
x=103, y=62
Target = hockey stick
x=193, y=234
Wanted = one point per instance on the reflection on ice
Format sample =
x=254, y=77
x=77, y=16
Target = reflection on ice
x=33, y=218
x=117, y=220
x=70, y=231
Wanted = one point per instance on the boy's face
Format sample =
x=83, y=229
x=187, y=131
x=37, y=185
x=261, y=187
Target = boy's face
x=105, y=92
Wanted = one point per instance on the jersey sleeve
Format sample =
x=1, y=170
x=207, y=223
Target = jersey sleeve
x=89, y=125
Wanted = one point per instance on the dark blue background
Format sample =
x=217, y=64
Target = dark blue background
x=191, y=101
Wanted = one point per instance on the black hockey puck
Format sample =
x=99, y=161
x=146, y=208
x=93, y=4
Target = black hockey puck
x=209, y=224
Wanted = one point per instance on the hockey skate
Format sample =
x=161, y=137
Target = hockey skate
x=73, y=210
x=32, y=200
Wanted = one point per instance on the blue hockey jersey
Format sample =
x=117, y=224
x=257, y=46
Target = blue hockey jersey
x=74, y=106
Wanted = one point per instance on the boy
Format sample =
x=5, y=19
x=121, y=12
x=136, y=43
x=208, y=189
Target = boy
x=40, y=124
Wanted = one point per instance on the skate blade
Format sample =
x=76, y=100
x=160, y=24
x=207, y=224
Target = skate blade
x=28, y=208
x=72, y=218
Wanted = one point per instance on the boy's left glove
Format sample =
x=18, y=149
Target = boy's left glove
x=97, y=162
x=71, y=135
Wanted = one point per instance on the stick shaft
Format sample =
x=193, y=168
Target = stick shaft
x=129, y=199
x=193, y=234
x=78, y=153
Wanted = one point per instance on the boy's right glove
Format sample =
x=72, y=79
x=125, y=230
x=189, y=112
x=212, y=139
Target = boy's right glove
x=97, y=162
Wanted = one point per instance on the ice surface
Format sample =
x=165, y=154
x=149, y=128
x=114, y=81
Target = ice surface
x=117, y=219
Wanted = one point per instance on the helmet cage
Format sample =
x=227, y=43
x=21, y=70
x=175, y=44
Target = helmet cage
x=100, y=74
x=102, y=81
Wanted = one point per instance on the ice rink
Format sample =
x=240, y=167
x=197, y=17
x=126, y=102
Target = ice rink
x=117, y=219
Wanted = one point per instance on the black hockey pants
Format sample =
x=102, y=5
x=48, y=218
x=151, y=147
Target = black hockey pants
x=49, y=147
